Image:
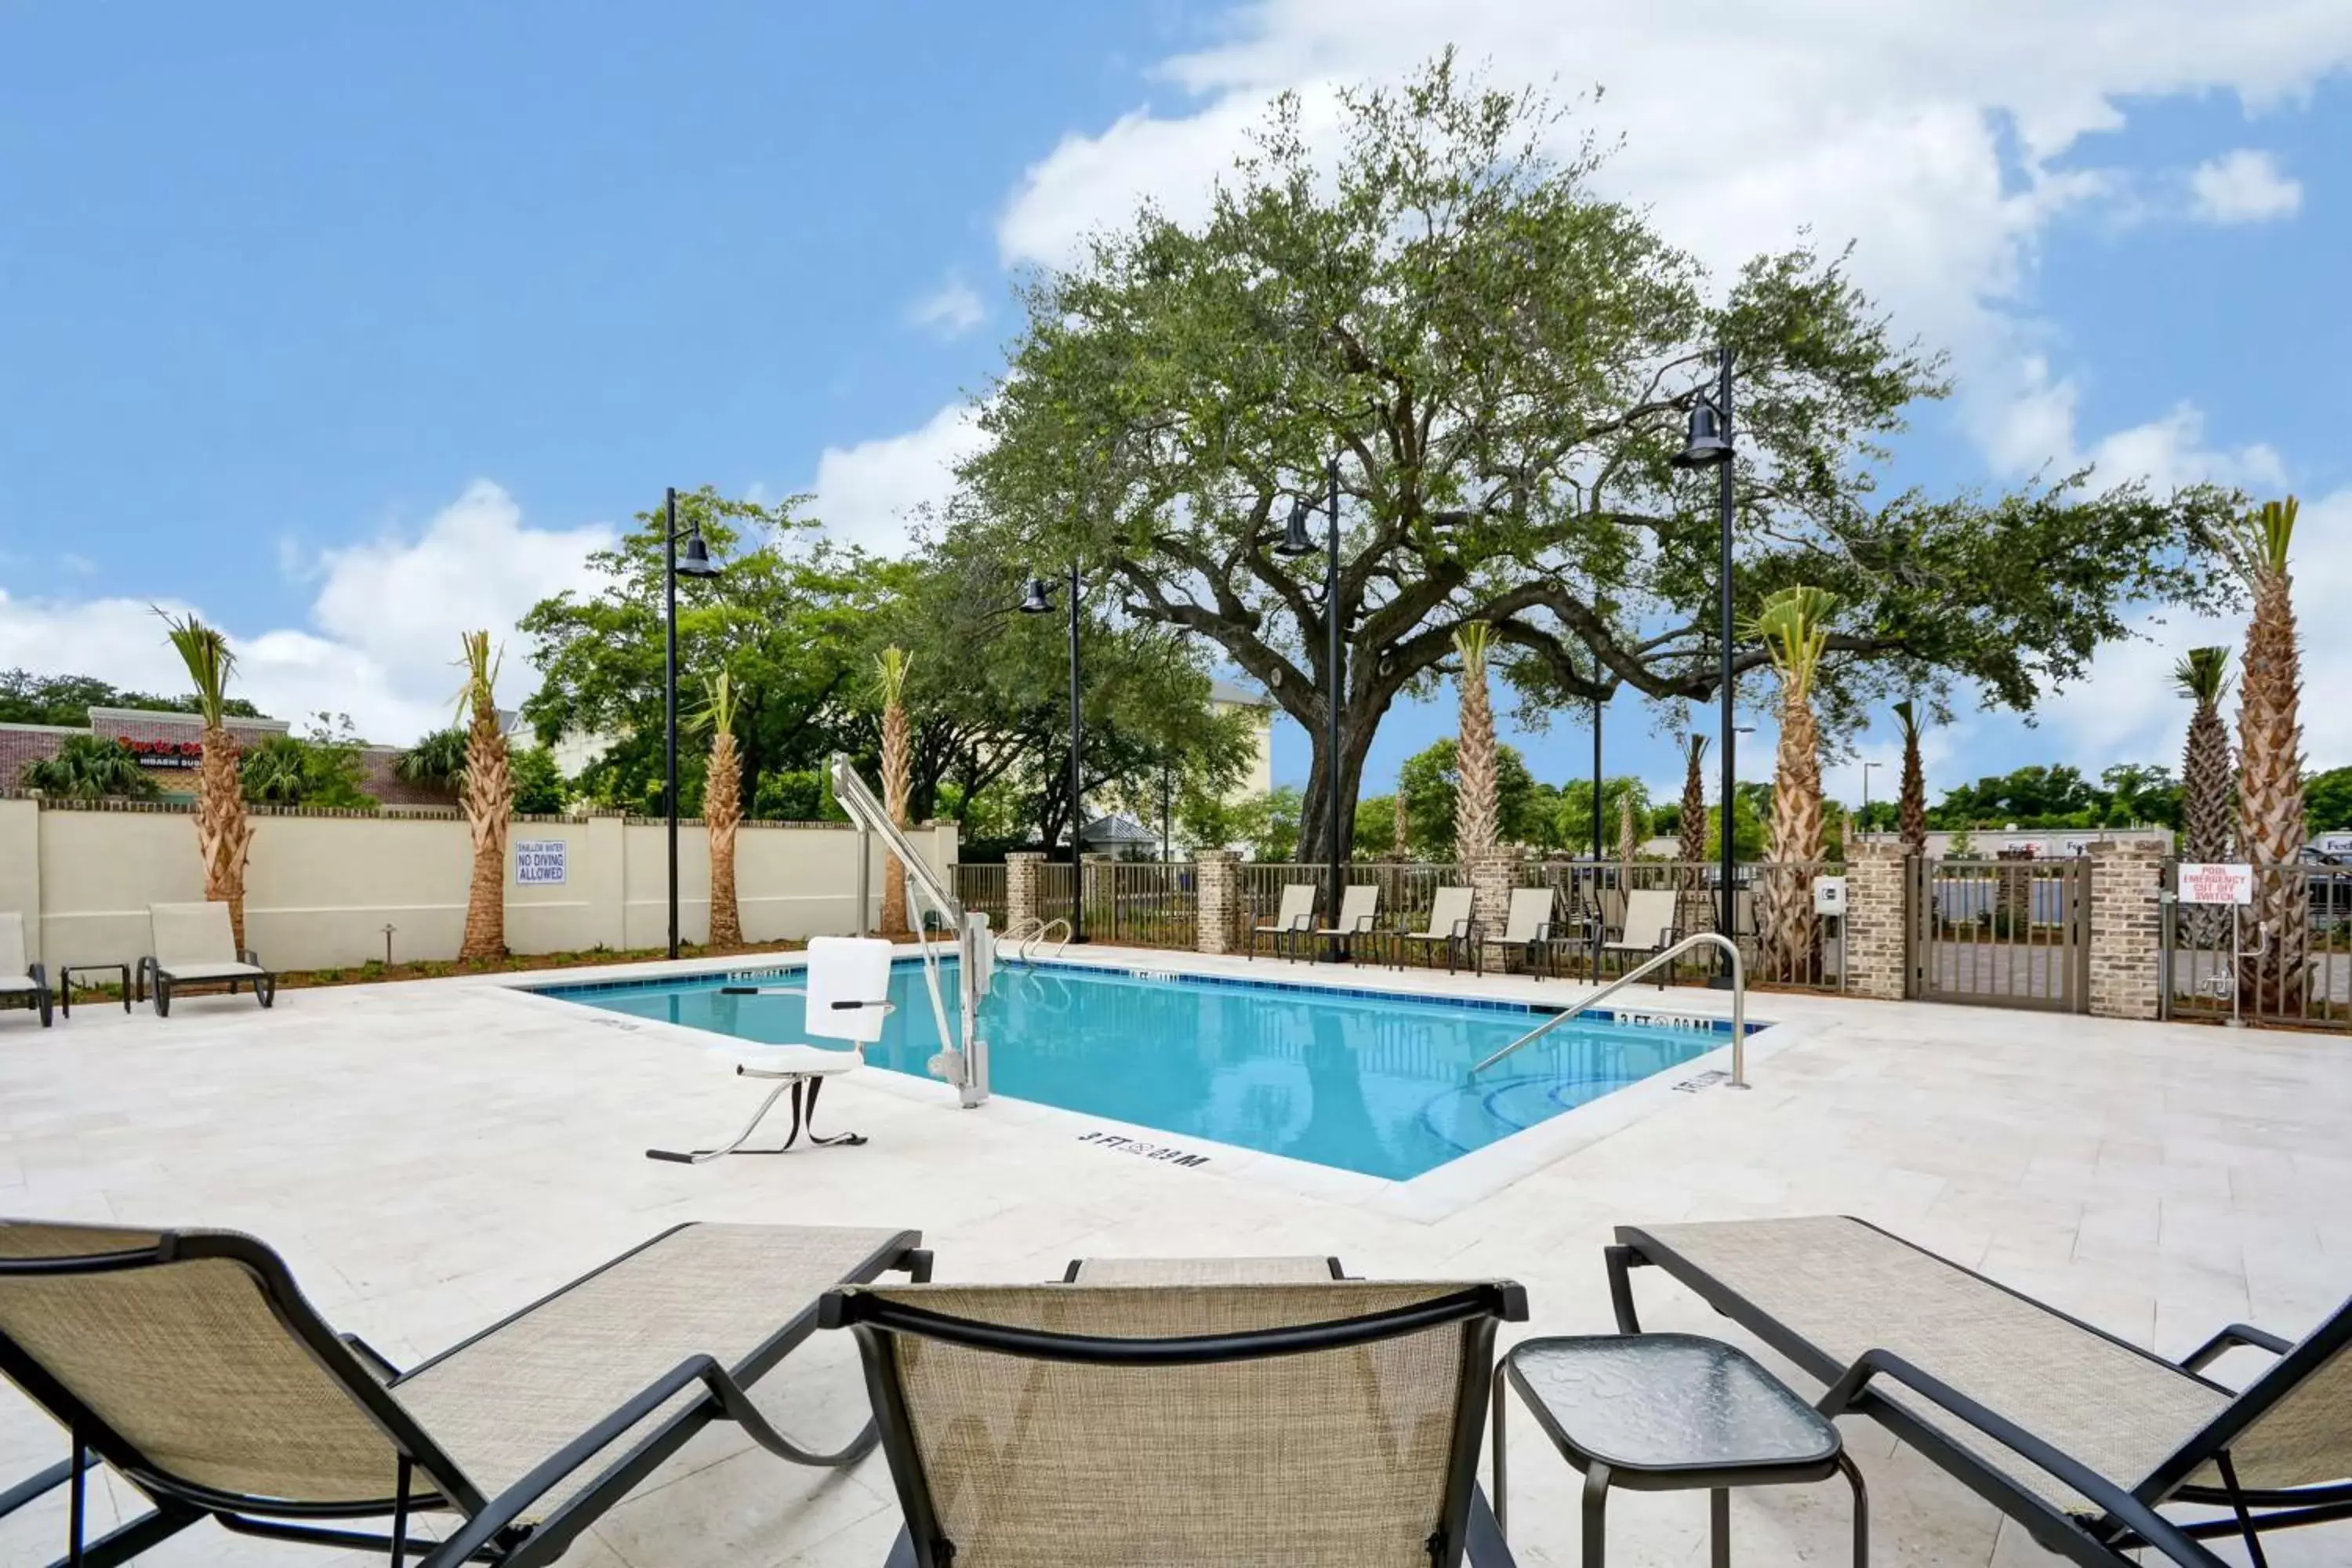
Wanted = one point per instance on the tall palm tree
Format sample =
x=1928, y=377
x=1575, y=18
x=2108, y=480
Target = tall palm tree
x=1692, y=826
x=224, y=832
x=1793, y=624
x=2208, y=785
x=1913, y=818
x=891, y=667
x=488, y=796
x=722, y=806
x=1477, y=807
x=1629, y=842
x=2270, y=758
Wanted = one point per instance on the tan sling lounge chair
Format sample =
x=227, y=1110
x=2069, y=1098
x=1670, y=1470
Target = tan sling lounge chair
x=195, y=945
x=189, y=1363
x=1292, y=921
x=19, y=978
x=2078, y=1436
x=1450, y=923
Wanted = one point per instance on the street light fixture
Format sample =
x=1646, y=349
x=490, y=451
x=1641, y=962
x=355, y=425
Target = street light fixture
x=697, y=563
x=1295, y=542
x=1038, y=599
x=1708, y=446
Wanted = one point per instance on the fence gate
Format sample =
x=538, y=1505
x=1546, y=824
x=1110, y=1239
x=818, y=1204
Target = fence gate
x=2004, y=933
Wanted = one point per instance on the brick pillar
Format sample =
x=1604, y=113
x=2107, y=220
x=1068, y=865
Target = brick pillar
x=1877, y=922
x=2127, y=923
x=1021, y=868
x=1217, y=884
x=1492, y=875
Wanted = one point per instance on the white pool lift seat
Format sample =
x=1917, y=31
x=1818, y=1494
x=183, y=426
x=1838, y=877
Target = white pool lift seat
x=848, y=997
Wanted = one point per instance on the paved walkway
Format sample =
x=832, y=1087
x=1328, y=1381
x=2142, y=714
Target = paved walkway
x=432, y=1155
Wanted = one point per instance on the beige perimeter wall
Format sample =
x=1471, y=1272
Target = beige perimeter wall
x=321, y=888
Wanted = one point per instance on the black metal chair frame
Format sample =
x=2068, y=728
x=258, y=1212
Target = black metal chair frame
x=1464, y=944
x=1468, y=1524
x=2129, y=1521
x=1285, y=938
x=160, y=985
x=41, y=999
x=427, y=1478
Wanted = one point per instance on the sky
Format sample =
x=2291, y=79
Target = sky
x=352, y=328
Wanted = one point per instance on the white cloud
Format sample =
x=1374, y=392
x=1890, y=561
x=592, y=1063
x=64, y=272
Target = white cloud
x=2035, y=431
x=2243, y=187
x=950, y=310
x=869, y=494
x=383, y=641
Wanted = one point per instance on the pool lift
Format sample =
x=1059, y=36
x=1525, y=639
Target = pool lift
x=962, y=1059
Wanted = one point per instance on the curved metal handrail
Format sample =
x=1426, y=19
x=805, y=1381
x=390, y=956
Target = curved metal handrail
x=1044, y=933
x=1701, y=939
x=1019, y=932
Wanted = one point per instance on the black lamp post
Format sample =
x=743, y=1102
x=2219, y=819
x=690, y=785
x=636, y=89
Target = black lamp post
x=697, y=563
x=1295, y=544
x=1038, y=600
x=1709, y=447
x=1596, y=773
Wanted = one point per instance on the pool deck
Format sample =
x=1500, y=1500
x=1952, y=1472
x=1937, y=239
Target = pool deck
x=431, y=1155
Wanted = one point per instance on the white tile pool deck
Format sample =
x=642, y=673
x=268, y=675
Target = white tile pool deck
x=432, y=1155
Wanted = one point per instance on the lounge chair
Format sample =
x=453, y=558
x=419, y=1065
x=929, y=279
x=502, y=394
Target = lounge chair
x=1299, y=1270
x=1360, y=912
x=2078, y=1436
x=1450, y=922
x=1067, y=1426
x=848, y=997
x=1647, y=927
x=194, y=946
x=19, y=977
x=1529, y=930
x=1294, y=920
x=190, y=1363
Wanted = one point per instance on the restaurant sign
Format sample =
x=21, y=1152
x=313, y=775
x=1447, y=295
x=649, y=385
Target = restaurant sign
x=165, y=754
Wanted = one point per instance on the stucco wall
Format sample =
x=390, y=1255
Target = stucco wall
x=320, y=888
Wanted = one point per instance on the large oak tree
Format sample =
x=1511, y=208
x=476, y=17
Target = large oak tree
x=1503, y=358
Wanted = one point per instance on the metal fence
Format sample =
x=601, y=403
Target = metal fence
x=1260, y=893
x=1058, y=882
x=1143, y=904
x=2005, y=934
x=2221, y=962
x=982, y=888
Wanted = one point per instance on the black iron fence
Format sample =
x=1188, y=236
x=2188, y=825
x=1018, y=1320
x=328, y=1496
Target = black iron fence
x=2286, y=958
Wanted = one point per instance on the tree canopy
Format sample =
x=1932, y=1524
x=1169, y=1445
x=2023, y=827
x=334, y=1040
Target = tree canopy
x=66, y=700
x=1503, y=360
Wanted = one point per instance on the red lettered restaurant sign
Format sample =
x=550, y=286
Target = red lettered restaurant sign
x=165, y=754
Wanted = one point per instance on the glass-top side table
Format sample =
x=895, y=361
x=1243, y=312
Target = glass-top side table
x=1669, y=1413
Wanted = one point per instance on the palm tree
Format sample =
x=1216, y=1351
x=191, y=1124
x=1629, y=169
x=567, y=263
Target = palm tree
x=1793, y=626
x=1477, y=803
x=1913, y=818
x=224, y=832
x=2270, y=759
x=891, y=666
x=488, y=799
x=89, y=767
x=436, y=762
x=723, y=806
x=2209, y=786
x=1400, y=840
x=1693, y=824
x=1629, y=843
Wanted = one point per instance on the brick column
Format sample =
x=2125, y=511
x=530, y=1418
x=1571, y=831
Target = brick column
x=1021, y=868
x=1492, y=875
x=1877, y=922
x=2127, y=923
x=1217, y=885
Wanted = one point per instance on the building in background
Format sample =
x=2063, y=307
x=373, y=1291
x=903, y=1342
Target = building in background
x=1229, y=697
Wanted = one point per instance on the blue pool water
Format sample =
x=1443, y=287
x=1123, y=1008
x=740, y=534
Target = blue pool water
x=1364, y=1082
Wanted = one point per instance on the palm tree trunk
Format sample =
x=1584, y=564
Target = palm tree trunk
x=1475, y=804
x=722, y=815
x=488, y=798
x=897, y=777
x=2269, y=798
x=223, y=831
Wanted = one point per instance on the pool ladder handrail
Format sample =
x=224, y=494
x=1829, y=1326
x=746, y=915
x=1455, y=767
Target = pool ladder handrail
x=1699, y=938
x=1030, y=932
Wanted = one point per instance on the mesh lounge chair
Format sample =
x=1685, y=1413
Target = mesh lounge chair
x=194, y=946
x=2074, y=1433
x=18, y=978
x=1294, y=920
x=1067, y=1425
x=1450, y=922
x=1646, y=928
x=1529, y=930
x=1359, y=912
x=189, y=1361
x=1201, y=1270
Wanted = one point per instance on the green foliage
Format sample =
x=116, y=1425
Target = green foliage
x=436, y=762
x=1751, y=809
x=1376, y=827
x=89, y=767
x=796, y=794
x=2327, y=800
x=1428, y=782
x=539, y=786
x=205, y=652
x=1573, y=815
x=2202, y=674
x=2039, y=796
x=320, y=770
x=65, y=701
x=1265, y=825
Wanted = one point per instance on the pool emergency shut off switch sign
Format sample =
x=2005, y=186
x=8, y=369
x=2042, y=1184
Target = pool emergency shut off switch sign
x=539, y=862
x=2216, y=882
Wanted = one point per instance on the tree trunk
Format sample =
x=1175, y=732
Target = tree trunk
x=490, y=812
x=897, y=773
x=722, y=815
x=223, y=831
x=2270, y=801
x=1784, y=914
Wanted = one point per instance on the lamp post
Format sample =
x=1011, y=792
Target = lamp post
x=1708, y=446
x=697, y=563
x=1038, y=600
x=1597, y=815
x=1295, y=544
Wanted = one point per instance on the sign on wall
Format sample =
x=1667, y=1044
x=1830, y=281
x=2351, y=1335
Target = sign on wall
x=165, y=754
x=540, y=862
x=2216, y=882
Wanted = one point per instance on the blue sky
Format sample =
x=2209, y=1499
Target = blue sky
x=350, y=327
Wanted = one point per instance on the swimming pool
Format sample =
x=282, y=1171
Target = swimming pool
x=1360, y=1080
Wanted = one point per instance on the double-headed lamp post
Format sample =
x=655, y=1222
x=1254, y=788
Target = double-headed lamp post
x=1708, y=446
x=697, y=563
x=1038, y=599
x=1296, y=542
